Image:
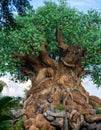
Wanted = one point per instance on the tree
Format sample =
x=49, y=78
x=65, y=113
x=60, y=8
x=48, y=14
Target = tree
x=7, y=9
x=55, y=48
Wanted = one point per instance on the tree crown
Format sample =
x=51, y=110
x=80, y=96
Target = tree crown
x=35, y=29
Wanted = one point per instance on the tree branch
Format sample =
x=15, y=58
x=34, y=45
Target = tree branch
x=70, y=55
x=59, y=39
x=44, y=57
x=30, y=63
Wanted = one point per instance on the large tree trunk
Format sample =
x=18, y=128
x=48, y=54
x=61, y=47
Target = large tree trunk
x=57, y=98
x=53, y=90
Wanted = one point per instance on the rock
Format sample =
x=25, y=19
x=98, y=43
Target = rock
x=17, y=113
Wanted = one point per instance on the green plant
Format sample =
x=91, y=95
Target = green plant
x=42, y=129
x=6, y=103
x=61, y=108
x=19, y=124
x=98, y=110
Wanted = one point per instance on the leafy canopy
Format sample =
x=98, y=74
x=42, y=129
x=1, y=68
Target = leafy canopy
x=40, y=27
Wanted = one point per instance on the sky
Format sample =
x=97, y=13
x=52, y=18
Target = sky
x=14, y=89
x=81, y=5
x=17, y=89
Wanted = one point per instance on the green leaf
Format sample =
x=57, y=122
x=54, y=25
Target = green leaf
x=5, y=117
x=61, y=108
x=4, y=101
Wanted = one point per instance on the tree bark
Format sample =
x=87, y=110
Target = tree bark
x=57, y=97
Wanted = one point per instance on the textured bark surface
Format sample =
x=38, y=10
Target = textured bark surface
x=57, y=98
x=52, y=97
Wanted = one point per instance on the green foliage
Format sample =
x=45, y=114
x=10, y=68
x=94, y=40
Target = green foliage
x=40, y=26
x=2, y=84
x=61, y=108
x=42, y=129
x=6, y=103
x=19, y=124
x=98, y=110
x=6, y=125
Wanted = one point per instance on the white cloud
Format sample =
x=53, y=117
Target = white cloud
x=91, y=88
x=14, y=89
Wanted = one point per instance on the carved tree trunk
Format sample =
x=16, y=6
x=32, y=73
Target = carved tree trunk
x=57, y=97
